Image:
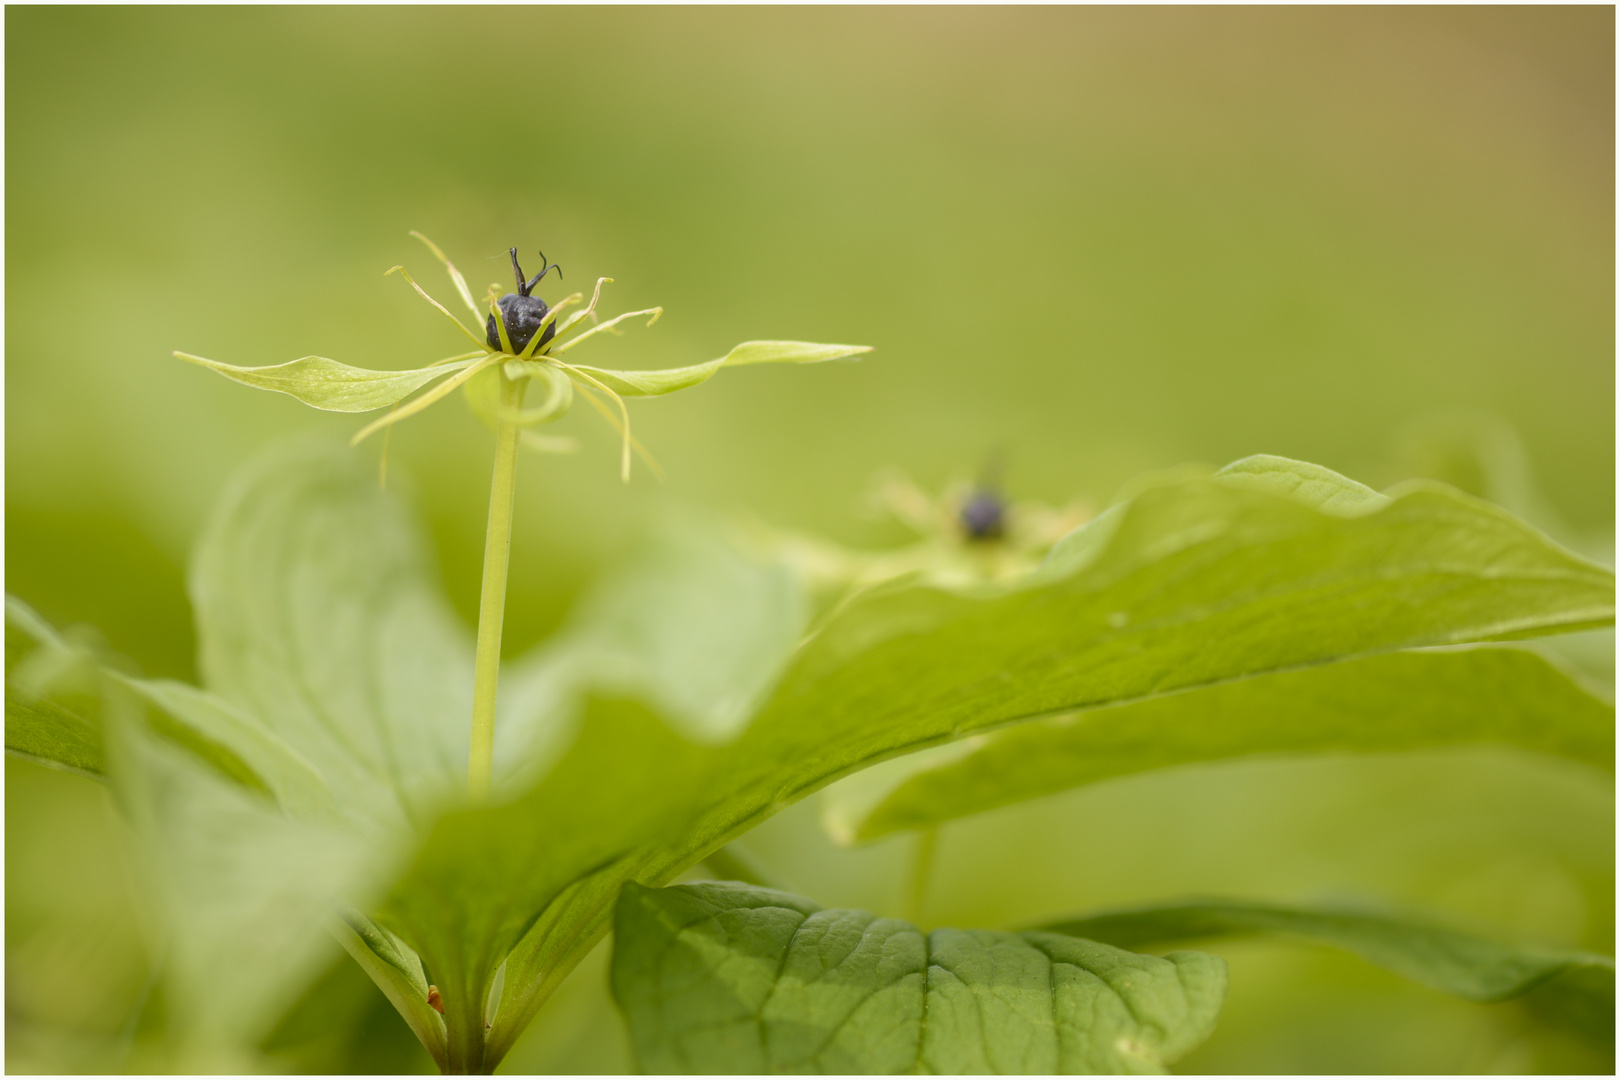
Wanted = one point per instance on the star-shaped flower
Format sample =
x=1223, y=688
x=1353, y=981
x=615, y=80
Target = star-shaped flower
x=526, y=340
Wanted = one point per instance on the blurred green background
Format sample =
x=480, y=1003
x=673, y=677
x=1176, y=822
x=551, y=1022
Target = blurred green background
x=1100, y=241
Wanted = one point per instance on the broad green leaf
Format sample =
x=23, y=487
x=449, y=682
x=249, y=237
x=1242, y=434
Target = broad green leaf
x=52, y=710
x=1193, y=583
x=211, y=729
x=57, y=694
x=318, y=613
x=1454, y=961
x=243, y=844
x=1391, y=702
x=637, y=634
x=1309, y=484
x=730, y=978
x=49, y=733
x=327, y=384
x=669, y=380
x=240, y=889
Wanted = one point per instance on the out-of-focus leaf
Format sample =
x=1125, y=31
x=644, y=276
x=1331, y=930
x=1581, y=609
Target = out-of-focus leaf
x=1390, y=702
x=329, y=385
x=241, y=890
x=669, y=380
x=692, y=627
x=211, y=728
x=1193, y=583
x=731, y=978
x=52, y=710
x=1312, y=485
x=318, y=613
x=1454, y=961
x=242, y=842
x=56, y=703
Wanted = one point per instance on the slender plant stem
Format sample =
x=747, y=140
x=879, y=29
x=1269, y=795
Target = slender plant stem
x=492, y=600
x=922, y=870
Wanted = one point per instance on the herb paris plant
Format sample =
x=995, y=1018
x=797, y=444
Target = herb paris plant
x=320, y=783
x=690, y=698
x=523, y=341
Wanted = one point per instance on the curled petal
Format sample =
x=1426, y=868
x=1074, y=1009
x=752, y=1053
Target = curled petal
x=599, y=327
x=590, y=309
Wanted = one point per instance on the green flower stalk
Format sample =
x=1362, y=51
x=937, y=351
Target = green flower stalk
x=523, y=343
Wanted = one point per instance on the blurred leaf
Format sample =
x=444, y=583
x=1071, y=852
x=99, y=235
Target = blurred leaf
x=240, y=892
x=329, y=385
x=344, y=1025
x=318, y=612
x=57, y=693
x=1310, y=484
x=318, y=616
x=1390, y=702
x=691, y=626
x=656, y=383
x=242, y=841
x=239, y=746
x=729, y=978
x=1453, y=961
x=54, y=725
x=1193, y=583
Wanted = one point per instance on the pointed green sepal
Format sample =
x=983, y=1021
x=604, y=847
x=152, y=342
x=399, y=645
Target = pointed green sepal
x=329, y=385
x=669, y=380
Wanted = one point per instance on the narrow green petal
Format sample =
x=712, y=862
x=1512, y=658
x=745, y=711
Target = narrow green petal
x=566, y=327
x=442, y=309
x=455, y=275
x=329, y=385
x=599, y=327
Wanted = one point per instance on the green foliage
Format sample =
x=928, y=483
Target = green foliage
x=728, y=978
x=1462, y=695
x=1451, y=960
x=685, y=703
x=48, y=719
